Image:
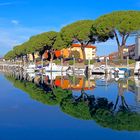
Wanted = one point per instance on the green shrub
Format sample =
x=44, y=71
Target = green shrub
x=57, y=62
x=131, y=61
x=71, y=62
x=75, y=54
x=91, y=62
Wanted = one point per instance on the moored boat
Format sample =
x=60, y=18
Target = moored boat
x=55, y=68
x=75, y=71
x=98, y=70
x=30, y=68
x=121, y=71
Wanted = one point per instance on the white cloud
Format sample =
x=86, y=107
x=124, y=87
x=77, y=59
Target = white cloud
x=12, y=3
x=15, y=22
x=6, y=3
x=12, y=36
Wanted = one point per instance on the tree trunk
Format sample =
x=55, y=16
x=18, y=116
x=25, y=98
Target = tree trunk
x=52, y=55
x=83, y=53
x=22, y=59
x=33, y=55
x=27, y=58
x=121, y=52
x=122, y=44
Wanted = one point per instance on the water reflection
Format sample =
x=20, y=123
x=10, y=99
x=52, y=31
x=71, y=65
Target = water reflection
x=58, y=89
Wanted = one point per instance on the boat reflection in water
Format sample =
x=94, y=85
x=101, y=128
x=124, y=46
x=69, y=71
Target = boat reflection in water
x=79, y=97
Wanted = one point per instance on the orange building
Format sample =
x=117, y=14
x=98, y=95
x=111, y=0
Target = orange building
x=90, y=51
x=57, y=53
x=65, y=52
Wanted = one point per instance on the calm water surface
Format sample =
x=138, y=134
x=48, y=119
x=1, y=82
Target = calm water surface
x=69, y=108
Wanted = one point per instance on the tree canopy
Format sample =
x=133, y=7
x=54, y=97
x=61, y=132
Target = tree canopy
x=78, y=31
x=44, y=40
x=40, y=43
x=10, y=55
x=118, y=24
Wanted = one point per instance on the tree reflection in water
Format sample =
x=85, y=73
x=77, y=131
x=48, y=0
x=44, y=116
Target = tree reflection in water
x=86, y=107
x=121, y=89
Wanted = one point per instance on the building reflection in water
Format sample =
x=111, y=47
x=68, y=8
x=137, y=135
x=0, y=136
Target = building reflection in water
x=76, y=83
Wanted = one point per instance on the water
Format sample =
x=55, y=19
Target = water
x=35, y=107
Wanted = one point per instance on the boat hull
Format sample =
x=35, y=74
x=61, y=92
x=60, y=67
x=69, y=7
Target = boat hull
x=55, y=68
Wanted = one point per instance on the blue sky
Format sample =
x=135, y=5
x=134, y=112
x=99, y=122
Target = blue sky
x=20, y=19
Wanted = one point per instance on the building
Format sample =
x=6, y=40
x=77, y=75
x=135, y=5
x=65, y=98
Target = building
x=137, y=48
x=128, y=51
x=113, y=55
x=57, y=54
x=102, y=58
x=30, y=56
x=2, y=59
x=65, y=52
x=90, y=50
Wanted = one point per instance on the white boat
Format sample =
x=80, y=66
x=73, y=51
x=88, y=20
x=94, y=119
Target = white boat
x=32, y=75
x=121, y=71
x=117, y=71
x=137, y=68
x=98, y=70
x=30, y=68
x=108, y=69
x=97, y=77
x=55, y=68
x=117, y=77
x=76, y=71
x=53, y=75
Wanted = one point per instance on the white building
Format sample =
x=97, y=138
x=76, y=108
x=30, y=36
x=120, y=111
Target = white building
x=137, y=48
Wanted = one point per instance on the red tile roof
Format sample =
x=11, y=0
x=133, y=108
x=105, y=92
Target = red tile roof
x=88, y=46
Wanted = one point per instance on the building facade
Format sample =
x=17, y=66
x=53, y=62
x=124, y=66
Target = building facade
x=90, y=50
x=137, y=48
x=128, y=51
